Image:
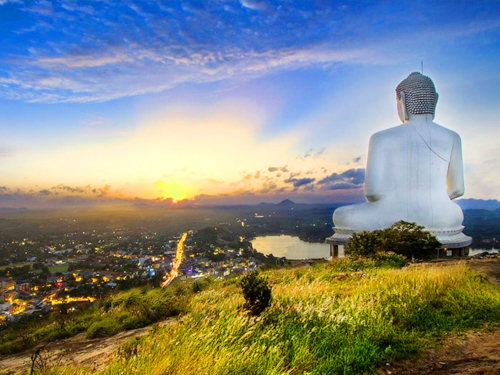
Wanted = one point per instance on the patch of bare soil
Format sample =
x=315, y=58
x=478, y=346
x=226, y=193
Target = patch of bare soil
x=78, y=350
x=476, y=352
x=489, y=266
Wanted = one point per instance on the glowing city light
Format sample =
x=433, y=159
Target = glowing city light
x=177, y=262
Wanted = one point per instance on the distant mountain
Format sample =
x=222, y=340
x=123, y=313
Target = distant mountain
x=286, y=203
x=478, y=204
x=10, y=209
x=283, y=205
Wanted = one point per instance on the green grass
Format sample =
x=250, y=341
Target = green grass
x=14, y=265
x=338, y=318
x=58, y=268
x=132, y=309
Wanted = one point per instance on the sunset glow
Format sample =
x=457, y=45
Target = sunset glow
x=230, y=102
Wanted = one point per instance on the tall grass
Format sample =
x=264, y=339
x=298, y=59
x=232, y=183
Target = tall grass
x=131, y=309
x=321, y=321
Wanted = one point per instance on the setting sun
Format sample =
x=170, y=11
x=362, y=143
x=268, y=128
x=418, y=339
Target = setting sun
x=172, y=189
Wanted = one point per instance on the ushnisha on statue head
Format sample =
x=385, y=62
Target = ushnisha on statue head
x=416, y=95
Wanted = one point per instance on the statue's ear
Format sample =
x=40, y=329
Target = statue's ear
x=435, y=104
x=403, y=108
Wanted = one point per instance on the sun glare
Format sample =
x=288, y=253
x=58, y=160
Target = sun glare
x=172, y=189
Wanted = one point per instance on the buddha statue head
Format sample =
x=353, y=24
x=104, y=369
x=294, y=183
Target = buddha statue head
x=416, y=95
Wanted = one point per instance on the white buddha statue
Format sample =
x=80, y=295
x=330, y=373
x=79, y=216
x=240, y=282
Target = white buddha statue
x=413, y=173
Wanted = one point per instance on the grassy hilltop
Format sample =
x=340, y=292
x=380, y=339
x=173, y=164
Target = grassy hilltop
x=344, y=317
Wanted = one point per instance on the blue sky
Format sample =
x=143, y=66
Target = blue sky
x=111, y=101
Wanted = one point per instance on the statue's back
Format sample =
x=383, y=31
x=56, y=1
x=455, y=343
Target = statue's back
x=414, y=171
x=408, y=168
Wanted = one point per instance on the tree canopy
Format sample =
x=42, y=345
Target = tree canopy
x=404, y=238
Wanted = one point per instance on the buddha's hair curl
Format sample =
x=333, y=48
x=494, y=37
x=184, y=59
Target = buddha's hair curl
x=420, y=94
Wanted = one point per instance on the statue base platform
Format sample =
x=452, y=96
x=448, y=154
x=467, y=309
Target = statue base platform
x=453, y=242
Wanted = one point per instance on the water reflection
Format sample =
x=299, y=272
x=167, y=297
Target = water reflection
x=480, y=251
x=290, y=247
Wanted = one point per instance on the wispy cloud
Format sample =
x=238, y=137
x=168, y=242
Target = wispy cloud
x=312, y=153
x=298, y=182
x=350, y=179
x=255, y=5
x=118, y=55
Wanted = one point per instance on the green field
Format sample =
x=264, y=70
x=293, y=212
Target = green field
x=14, y=265
x=58, y=268
x=337, y=318
x=52, y=269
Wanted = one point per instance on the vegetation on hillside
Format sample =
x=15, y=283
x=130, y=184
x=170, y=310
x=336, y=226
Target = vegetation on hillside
x=131, y=309
x=257, y=293
x=403, y=238
x=343, y=317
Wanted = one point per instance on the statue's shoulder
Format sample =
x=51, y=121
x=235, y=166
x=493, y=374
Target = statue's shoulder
x=445, y=132
x=391, y=133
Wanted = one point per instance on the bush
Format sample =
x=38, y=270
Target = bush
x=130, y=347
x=364, y=244
x=407, y=239
x=198, y=286
x=103, y=328
x=410, y=240
x=390, y=259
x=17, y=345
x=167, y=307
x=257, y=293
x=133, y=322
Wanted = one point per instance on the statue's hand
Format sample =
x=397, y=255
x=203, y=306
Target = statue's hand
x=455, y=194
x=373, y=197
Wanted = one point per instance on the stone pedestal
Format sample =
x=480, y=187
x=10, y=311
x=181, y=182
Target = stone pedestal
x=453, y=242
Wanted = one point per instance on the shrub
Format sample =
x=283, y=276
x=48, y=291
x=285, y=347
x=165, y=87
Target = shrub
x=103, y=328
x=407, y=239
x=130, y=347
x=364, y=244
x=16, y=345
x=198, y=285
x=133, y=322
x=257, y=293
x=353, y=265
x=390, y=259
x=410, y=240
x=167, y=307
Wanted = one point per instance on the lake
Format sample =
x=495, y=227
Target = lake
x=290, y=247
x=479, y=251
x=294, y=248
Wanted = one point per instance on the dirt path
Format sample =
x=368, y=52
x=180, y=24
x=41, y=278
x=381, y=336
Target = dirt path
x=477, y=352
x=76, y=349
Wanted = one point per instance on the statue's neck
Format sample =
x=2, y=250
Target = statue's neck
x=420, y=120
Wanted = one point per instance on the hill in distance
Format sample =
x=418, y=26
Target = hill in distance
x=479, y=204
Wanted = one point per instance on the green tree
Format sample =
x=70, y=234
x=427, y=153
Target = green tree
x=410, y=240
x=257, y=293
x=404, y=238
x=364, y=244
x=45, y=271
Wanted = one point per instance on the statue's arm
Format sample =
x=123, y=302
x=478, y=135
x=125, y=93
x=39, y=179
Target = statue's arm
x=455, y=178
x=373, y=173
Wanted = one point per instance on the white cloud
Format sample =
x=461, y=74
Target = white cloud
x=85, y=78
